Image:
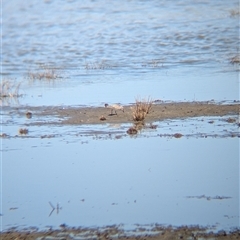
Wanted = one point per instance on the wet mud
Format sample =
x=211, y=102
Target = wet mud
x=114, y=232
x=98, y=115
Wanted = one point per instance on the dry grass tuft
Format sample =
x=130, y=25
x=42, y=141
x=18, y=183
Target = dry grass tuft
x=141, y=108
x=8, y=88
x=234, y=13
x=99, y=65
x=235, y=60
x=46, y=73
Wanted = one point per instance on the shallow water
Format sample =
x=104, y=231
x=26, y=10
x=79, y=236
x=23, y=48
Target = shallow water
x=113, y=52
x=98, y=175
x=99, y=184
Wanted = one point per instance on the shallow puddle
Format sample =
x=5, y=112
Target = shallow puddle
x=96, y=175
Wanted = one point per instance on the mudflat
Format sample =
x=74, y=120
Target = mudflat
x=97, y=115
x=113, y=232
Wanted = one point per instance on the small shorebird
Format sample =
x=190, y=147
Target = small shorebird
x=114, y=107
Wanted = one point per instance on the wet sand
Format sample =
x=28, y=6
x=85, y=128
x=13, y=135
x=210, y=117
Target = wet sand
x=94, y=115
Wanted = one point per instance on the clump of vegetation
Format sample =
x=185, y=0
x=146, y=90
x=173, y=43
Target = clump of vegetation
x=8, y=88
x=234, y=12
x=141, y=109
x=23, y=131
x=235, y=60
x=154, y=63
x=45, y=73
x=101, y=65
x=132, y=131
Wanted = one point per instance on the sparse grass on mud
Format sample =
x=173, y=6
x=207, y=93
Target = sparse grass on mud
x=141, y=109
x=9, y=88
x=44, y=73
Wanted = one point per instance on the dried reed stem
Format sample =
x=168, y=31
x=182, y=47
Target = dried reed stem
x=141, y=108
x=9, y=89
x=47, y=73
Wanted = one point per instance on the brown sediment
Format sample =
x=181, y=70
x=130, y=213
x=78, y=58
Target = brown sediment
x=112, y=232
x=160, y=111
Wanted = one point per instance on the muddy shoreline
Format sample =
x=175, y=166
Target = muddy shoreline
x=114, y=232
x=99, y=115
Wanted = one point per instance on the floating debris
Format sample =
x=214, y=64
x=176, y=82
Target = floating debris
x=48, y=136
x=58, y=208
x=13, y=208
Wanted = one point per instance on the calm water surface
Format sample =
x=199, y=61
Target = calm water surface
x=102, y=182
x=106, y=51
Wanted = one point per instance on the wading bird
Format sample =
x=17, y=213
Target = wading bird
x=114, y=107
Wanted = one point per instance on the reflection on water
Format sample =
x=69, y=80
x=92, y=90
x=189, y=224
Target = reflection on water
x=80, y=179
x=105, y=182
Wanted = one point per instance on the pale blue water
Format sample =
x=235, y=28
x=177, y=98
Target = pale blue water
x=128, y=181
x=169, y=50
x=107, y=51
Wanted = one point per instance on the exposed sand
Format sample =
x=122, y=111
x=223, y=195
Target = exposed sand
x=159, y=112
